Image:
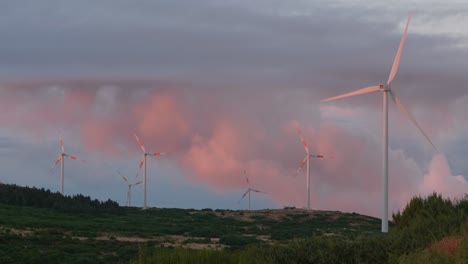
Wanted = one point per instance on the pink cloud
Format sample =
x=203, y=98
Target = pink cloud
x=163, y=120
x=214, y=140
x=440, y=179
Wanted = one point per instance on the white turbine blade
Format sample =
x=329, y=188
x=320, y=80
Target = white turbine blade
x=142, y=147
x=370, y=89
x=303, y=162
x=61, y=142
x=396, y=62
x=137, y=183
x=304, y=143
x=55, y=163
x=408, y=114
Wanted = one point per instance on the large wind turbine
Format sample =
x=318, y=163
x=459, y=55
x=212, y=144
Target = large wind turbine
x=305, y=161
x=143, y=162
x=61, y=158
x=249, y=190
x=129, y=192
x=386, y=89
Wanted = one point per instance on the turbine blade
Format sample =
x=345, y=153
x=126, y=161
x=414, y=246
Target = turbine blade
x=257, y=191
x=61, y=142
x=304, y=143
x=137, y=183
x=246, y=178
x=75, y=158
x=396, y=62
x=125, y=179
x=142, y=147
x=303, y=162
x=319, y=156
x=246, y=192
x=55, y=163
x=370, y=89
x=408, y=114
x=139, y=167
x=159, y=154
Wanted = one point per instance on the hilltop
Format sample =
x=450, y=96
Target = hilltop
x=49, y=218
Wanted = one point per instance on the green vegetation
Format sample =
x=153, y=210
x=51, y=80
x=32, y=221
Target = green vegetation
x=55, y=248
x=428, y=230
x=24, y=196
x=37, y=226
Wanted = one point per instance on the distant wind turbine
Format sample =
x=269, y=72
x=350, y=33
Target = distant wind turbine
x=129, y=192
x=386, y=89
x=249, y=190
x=143, y=162
x=305, y=161
x=61, y=158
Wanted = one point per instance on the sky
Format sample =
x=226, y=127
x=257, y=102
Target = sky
x=222, y=86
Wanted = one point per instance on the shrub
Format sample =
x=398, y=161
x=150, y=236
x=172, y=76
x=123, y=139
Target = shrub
x=237, y=240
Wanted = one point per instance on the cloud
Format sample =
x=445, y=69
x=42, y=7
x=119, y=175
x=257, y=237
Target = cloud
x=215, y=137
x=221, y=86
x=440, y=179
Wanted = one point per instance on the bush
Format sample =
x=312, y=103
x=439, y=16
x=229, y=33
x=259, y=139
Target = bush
x=237, y=240
x=206, y=232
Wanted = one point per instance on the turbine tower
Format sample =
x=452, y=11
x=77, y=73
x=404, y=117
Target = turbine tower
x=387, y=90
x=61, y=158
x=143, y=162
x=249, y=190
x=129, y=192
x=305, y=161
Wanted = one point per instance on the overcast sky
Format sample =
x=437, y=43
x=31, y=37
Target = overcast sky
x=222, y=85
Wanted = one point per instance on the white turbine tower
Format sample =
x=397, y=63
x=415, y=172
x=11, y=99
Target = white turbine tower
x=61, y=158
x=305, y=161
x=129, y=192
x=143, y=162
x=386, y=89
x=249, y=190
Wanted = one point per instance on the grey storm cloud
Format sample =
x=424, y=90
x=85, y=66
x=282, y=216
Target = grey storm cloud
x=301, y=44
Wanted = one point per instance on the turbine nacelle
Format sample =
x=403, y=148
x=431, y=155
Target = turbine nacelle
x=384, y=87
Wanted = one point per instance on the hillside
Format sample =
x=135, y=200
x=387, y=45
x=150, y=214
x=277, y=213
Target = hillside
x=37, y=226
x=42, y=218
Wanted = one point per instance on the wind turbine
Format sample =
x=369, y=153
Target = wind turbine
x=143, y=162
x=305, y=161
x=386, y=89
x=129, y=192
x=61, y=158
x=249, y=190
